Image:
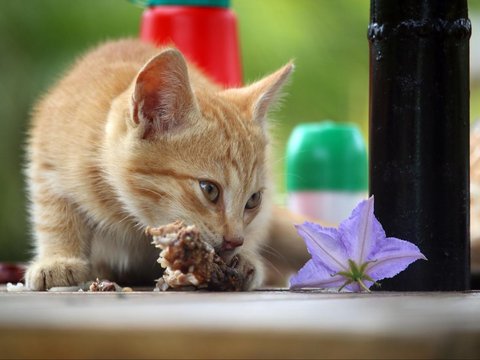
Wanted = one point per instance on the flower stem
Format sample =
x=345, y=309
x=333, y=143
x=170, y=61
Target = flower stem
x=362, y=285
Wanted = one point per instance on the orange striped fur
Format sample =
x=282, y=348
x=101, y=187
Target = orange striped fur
x=121, y=142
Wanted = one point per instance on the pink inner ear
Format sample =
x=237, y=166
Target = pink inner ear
x=146, y=88
x=148, y=94
x=162, y=95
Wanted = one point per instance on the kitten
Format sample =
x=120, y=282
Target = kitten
x=134, y=136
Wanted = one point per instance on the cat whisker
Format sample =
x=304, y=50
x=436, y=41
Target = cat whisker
x=126, y=217
x=151, y=191
x=265, y=261
x=165, y=193
x=268, y=249
x=277, y=160
x=206, y=234
x=139, y=226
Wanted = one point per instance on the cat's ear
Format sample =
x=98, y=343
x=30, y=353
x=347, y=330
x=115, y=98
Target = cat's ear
x=260, y=96
x=163, y=100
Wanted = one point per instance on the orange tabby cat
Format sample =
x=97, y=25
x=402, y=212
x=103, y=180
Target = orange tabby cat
x=133, y=136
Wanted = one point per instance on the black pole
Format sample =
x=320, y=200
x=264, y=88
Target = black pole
x=419, y=135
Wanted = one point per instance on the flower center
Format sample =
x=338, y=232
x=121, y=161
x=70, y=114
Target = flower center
x=356, y=274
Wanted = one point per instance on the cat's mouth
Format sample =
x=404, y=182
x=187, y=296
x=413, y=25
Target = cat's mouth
x=226, y=255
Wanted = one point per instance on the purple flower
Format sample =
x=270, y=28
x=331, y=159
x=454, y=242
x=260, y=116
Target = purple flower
x=355, y=255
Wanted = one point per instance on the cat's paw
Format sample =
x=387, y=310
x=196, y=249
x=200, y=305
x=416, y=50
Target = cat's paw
x=251, y=269
x=45, y=274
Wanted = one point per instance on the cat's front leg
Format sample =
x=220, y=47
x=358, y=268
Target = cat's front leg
x=251, y=267
x=61, y=244
x=43, y=274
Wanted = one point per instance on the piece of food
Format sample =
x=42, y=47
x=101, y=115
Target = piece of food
x=16, y=288
x=191, y=263
x=104, y=285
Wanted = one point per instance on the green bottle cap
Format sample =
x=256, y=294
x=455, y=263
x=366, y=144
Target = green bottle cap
x=326, y=156
x=212, y=3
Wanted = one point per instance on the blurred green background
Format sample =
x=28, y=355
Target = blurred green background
x=327, y=39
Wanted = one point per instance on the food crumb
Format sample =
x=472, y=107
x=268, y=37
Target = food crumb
x=16, y=288
x=104, y=285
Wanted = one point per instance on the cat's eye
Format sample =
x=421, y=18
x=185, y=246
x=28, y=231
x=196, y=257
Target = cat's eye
x=254, y=201
x=210, y=190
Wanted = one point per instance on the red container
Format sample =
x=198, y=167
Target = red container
x=11, y=272
x=205, y=31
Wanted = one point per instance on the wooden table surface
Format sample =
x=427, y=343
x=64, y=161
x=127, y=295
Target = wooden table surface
x=261, y=324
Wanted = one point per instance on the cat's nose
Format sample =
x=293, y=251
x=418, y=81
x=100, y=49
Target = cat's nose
x=230, y=243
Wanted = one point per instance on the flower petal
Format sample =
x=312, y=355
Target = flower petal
x=315, y=275
x=393, y=258
x=324, y=245
x=361, y=232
